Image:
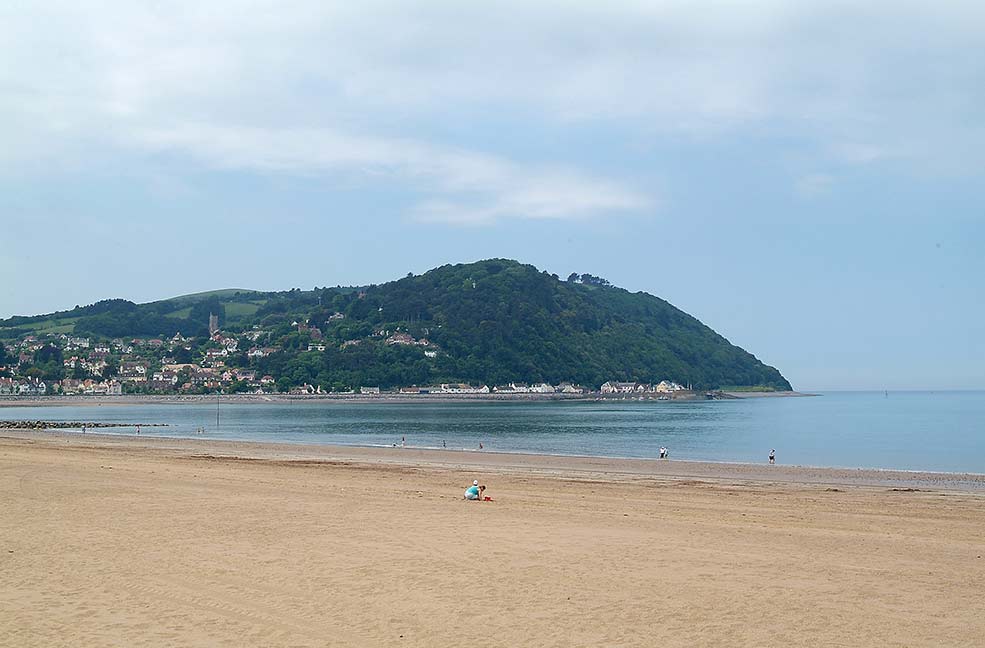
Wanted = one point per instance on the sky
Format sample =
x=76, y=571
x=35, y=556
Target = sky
x=805, y=178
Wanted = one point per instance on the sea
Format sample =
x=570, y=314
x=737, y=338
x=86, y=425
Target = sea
x=939, y=431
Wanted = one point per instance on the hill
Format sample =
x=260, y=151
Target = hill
x=491, y=322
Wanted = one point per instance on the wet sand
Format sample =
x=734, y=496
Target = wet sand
x=112, y=540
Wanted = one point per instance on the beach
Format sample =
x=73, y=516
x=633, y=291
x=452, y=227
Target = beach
x=114, y=540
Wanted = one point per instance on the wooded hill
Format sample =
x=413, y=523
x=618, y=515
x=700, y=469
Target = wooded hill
x=491, y=322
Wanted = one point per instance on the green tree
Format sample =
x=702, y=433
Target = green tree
x=111, y=369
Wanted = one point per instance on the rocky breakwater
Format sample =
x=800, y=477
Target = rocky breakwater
x=68, y=425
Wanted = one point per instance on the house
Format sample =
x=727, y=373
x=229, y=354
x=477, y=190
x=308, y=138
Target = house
x=461, y=388
x=430, y=353
x=316, y=347
x=369, y=390
x=400, y=338
x=415, y=390
x=568, y=388
x=513, y=388
x=95, y=388
x=306, y=389
x=667, y=386
x=32, y=388
x=542, y=388
x=620, y=387
x=175, y=368
x=133, y=372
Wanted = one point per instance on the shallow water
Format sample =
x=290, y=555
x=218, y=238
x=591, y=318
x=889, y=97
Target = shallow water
x=906, y=430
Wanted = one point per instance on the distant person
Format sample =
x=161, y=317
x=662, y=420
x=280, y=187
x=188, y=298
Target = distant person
x=663, y=452
x=444, y=444
x=403, y=442
x=773, y=456
x=83, y=429
x=474, y=493
x=138, y=430
x=480, y=445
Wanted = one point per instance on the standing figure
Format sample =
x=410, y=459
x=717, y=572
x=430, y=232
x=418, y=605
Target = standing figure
x=773, y=456
x=663, y=452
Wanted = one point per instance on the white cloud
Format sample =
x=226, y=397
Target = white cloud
x=366, y=89
x=485, y=187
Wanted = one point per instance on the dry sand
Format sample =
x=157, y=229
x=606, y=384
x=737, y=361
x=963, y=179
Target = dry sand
x=114, y=541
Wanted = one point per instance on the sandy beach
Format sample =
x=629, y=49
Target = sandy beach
x=113, y=540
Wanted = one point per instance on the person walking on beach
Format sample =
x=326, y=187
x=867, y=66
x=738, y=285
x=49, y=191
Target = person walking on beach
x=772, y=455
x=663, y=452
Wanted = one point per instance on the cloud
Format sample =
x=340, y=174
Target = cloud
x=417, y=93
x=484, y=187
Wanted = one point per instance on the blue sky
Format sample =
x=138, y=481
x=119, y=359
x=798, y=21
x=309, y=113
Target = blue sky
x=805, y=178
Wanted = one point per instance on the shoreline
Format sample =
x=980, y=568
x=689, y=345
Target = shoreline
x=178, y=399
x=610, y=469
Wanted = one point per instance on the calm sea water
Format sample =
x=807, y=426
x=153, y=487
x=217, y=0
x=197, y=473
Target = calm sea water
x=907, y=430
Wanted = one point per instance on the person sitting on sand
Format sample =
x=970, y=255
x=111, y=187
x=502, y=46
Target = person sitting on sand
x=474, y=492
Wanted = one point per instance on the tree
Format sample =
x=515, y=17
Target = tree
x=111, y=369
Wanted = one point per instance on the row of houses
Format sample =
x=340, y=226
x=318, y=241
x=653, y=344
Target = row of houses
x=663, y=387
x=464, y=388
x=444, y=388
x=69, y=386
x=27, y=387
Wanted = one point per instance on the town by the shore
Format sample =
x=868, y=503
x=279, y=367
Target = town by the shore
x=376, y=397
x=112, y=540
